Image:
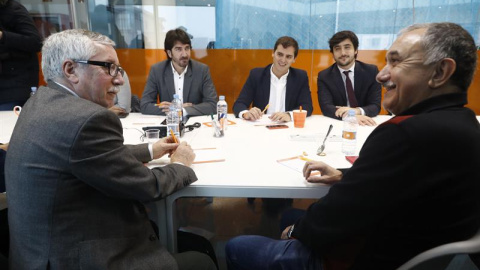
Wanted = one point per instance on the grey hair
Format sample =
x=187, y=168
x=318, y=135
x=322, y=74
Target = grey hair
x=74, y=44
x=449, y=40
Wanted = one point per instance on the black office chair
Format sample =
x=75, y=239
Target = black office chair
x=441, y=257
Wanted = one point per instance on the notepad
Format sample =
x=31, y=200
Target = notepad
x=208, y=155
x=296, y=163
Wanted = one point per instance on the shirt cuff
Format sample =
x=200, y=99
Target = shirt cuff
x=150, y=149
x=240, y=115
x=362, y=112
x=177, y=162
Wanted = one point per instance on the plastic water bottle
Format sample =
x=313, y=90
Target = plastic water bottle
x=173, y=121
x=350, y=126
x=222, y=110
x=33, y=91
x=177, y=103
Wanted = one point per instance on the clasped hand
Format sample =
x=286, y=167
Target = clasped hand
x=178, y=152
x=165, y=106
x=362, y=120
x=255, y=113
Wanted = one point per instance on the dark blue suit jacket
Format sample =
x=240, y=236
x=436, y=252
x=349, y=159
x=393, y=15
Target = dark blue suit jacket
x=331, y=89
x=257, y=90
x=2, y=170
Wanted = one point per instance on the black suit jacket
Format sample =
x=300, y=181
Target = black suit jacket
x=331, y=89
x=257, y=90
x=2, y=173
x=18, y=53
x=405, y=193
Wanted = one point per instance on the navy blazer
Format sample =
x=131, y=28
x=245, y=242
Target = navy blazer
x=331, y=89
x=257, y=90
x=2, y=172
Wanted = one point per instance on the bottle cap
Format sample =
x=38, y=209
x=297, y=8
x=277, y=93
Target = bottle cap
x=351, y=112
x=221, y=97
x=175, y=95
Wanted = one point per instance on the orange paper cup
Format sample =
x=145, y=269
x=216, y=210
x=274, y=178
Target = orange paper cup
x=299, y=118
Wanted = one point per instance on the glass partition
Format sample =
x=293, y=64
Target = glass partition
x=249, y=24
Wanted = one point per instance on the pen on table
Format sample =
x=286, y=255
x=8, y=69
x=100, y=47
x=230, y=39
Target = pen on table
x=173, y=136
x=300, y=108
x=266, y=107
x=304, y=158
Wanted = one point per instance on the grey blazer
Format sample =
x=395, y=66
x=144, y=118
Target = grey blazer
x=75, y=190
x=198, y=89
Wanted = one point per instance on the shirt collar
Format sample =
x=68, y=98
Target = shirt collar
x=437, y=103
x=66, y=88
x=352, y=68
x=283, y=78
x=175, y=71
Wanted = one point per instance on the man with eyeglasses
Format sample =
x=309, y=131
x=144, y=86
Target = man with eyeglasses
x=75, y=191
x=180, y=75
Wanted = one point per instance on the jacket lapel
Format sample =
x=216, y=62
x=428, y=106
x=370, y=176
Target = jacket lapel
x=168, y=77
x=266, y=86
x=339, y=83
x=290, y=90
x=187, y=81
x=357, y=81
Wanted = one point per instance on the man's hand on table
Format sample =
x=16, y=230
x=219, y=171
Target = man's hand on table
x=328, y=174
x=364, y=120
x=253, y=114
x=280, y=117
x=183, y=154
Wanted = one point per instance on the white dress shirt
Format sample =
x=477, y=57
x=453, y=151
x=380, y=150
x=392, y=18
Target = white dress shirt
x=178, y=80
x=278, y=89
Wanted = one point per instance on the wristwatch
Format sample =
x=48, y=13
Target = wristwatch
x=290, y=231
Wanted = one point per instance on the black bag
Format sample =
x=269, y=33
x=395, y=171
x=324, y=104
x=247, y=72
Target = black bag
x=188, y=241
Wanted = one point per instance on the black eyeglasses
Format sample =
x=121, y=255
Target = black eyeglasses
x=113, y=69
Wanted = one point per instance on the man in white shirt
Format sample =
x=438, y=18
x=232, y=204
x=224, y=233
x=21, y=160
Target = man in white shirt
x=334, y=85
x=180, y=75
x=276, y=89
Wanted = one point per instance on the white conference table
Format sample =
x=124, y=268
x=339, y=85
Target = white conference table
x=250, y=168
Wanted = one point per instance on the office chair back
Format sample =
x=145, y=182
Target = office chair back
x=439, y=257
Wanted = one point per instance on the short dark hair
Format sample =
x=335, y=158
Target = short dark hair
x=173, y=36
x=341, y=36
x=286, y=42
x=449, y=40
